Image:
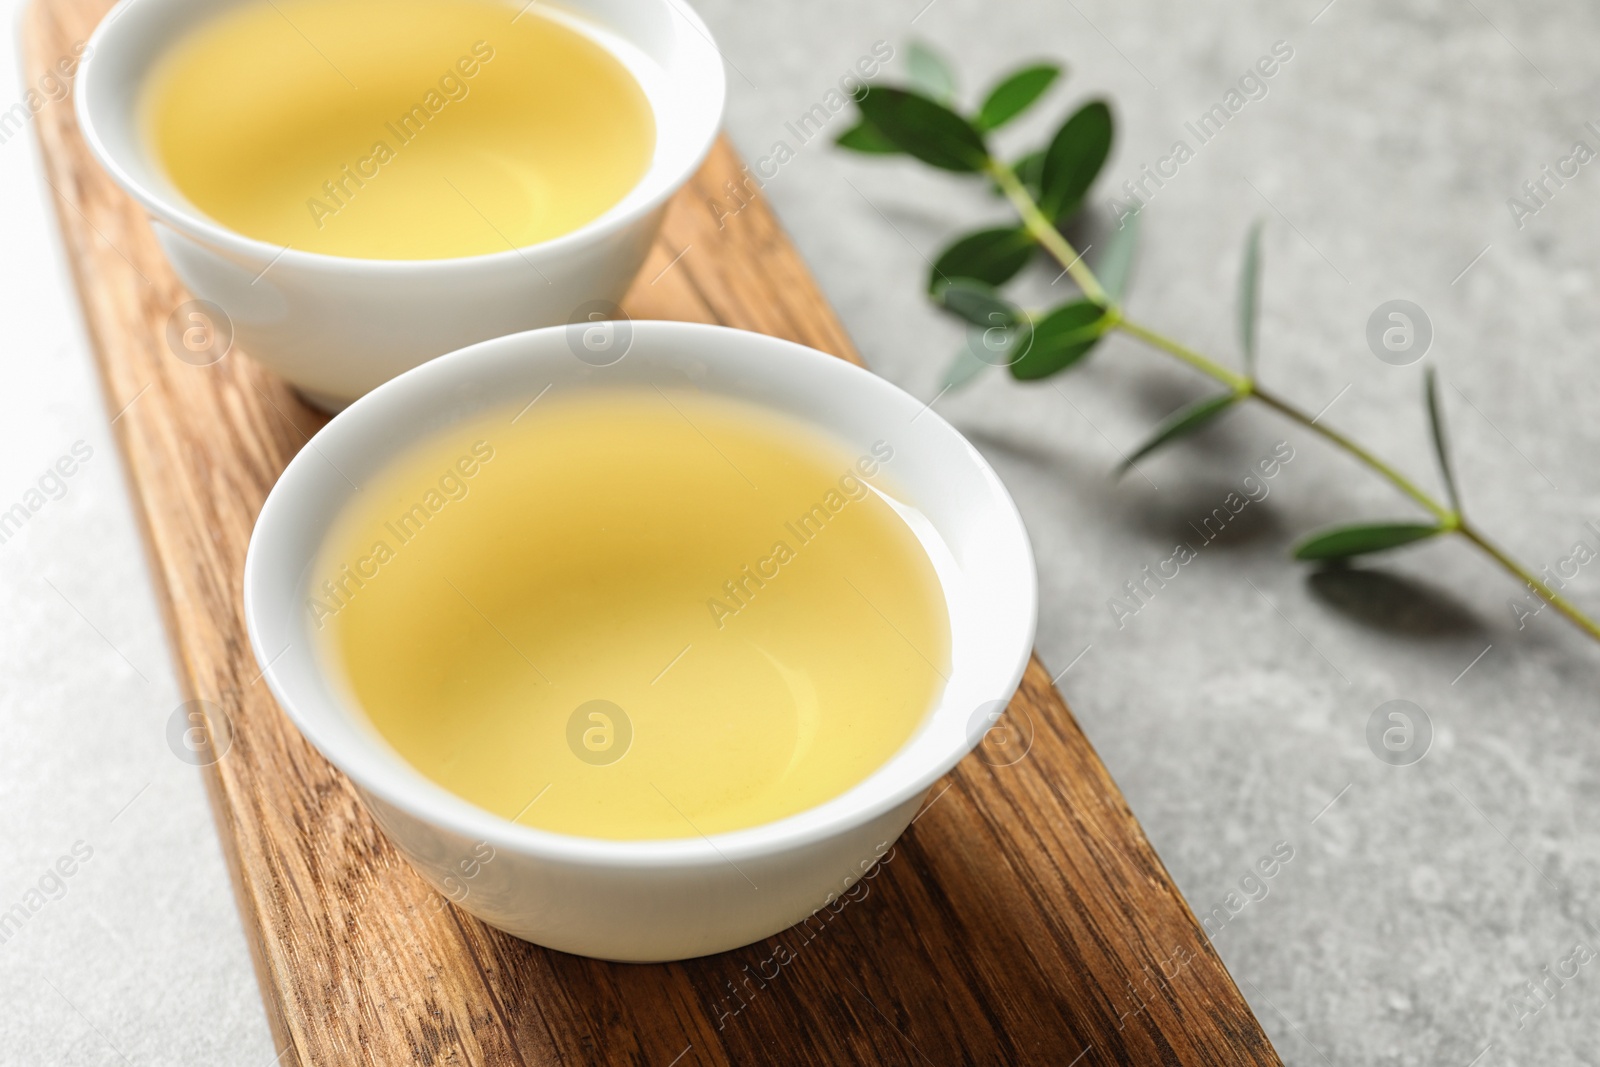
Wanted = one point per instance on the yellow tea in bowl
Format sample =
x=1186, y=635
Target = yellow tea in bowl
x=397, y=129
x=635, y=614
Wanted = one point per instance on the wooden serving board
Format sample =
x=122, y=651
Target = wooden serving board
x=1024, y=918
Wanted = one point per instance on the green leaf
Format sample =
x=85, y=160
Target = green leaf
x=1061, y=339
x=1181, y=422
x=930, y=72
x=924, y=128
x=999, y=345
x=991, y=256
x=1250, y=297
x=965, y=367
x=977, y=303
x=864, y=137
x=1015, y=94
x=1440, y=449
x=1342, y=542
x=1115, y=265
x=1073, y=159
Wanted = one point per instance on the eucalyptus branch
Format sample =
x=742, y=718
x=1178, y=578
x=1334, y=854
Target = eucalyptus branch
x=1044, y=189
x=1063, y=252
x=1070, y=260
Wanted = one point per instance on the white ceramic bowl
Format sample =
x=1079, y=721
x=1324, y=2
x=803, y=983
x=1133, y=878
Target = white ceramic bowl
x=673, y=899
x=336, y=327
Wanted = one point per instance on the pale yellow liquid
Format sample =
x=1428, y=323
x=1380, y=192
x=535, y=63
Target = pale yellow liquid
x=585, y=558
x=397, y=129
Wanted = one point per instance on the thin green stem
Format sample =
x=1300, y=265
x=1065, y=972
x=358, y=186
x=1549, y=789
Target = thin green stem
x=1247, y=387
x=1237, y=382
x=1445, y=515
x=1045, y=232
x=1052, y=240
x=1537, y=584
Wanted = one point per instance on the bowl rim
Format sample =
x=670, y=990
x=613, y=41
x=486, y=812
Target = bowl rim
x=374, y=772
x=199, y=226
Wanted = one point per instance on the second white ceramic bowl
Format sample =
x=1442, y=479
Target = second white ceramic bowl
x=651, y=900
x=336, y=327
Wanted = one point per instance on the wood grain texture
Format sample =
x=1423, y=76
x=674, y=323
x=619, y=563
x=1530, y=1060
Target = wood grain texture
x=1024, y=918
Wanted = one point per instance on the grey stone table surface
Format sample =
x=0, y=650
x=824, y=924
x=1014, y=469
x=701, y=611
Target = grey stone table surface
x=1429, y=910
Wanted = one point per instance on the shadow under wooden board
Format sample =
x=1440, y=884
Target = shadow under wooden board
x=1024, y=918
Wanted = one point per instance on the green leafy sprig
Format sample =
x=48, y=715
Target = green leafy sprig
x=1046, y=188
